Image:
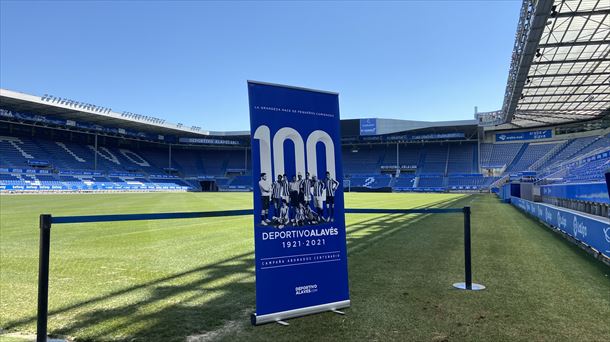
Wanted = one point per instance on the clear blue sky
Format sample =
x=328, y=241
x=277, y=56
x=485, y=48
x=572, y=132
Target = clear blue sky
x=189, y=61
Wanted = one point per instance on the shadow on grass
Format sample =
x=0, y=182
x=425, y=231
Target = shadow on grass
x=175, y=307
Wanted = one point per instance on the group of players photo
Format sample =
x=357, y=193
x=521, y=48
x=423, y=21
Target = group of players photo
x=297, y=202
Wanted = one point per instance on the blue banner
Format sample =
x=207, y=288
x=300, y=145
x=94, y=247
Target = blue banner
x=368, y=126
x=588, y=192
x=426, y=136
x=521, y=136
x=368, y=133
x=299, y=222
x=208, y=141
x=594, y=232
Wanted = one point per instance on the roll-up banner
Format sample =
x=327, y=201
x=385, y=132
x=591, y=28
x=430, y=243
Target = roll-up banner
x=299, y=220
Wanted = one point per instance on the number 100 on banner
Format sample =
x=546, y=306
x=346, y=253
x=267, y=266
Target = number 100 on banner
x=299, y=219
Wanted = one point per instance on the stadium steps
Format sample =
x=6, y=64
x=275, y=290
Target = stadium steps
x=599, y=143
x=517, y=158
x=475, y=159
x=69, y=151
x=200, y=164
x=577, y=145
x=422, y=160
x=551, y=154
x=447, y=160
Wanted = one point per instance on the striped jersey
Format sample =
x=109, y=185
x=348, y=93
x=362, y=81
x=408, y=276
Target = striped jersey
x=306, y=185
x=331, y=186
x=318, y=188
x=300, y=214
x=276, y=190
x=284, y=212
x=285, y=188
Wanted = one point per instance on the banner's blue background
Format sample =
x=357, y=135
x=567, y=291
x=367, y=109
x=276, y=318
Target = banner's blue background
x=590, y=192
x=275, y=287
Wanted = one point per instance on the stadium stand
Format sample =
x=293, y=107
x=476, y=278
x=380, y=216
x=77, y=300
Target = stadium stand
x=430, y=181
x=372, y=181
x=570, y=148
x=362, y=160
x=529, y=155
x=439, y=166
x=62, y=155
x=499, y=155
x=462, y=159
x=434, y=159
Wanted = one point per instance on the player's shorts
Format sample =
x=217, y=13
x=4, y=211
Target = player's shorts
x=330, y=199
x=318, y=201
x=277, y=201
x=265, y=202
x=286, y=198
x=294, y=198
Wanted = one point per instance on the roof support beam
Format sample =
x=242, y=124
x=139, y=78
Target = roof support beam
x=585, y=43
x=554, y=119
x=559, y=102
x=519, y=117
x=518, y=74
x=565, y=94
x=568, y=85
x=566, y=61
x=552, y=113
x=581, y=13
x=561, y=111
x=571, y=74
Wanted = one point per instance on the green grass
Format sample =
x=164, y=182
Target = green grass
x=168, y=280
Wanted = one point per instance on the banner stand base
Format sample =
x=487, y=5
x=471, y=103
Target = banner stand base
x=279, y=317
x=282, y=323
x=474, y=287
x=338, y=312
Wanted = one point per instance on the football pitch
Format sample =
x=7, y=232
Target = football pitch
x=193, y=279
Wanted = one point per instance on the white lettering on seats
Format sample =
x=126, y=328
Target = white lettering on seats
x=141, y=161
x=107, y=155
x=62, y=145
x=13, y=142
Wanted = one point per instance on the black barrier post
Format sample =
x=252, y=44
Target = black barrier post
x=467, y=249
x=467, y=285
x=43, y=277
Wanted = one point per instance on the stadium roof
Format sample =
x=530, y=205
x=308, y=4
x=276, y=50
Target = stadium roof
x=560, y=69
x=73, y=110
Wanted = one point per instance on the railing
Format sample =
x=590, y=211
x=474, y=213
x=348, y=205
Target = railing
x=46, y=222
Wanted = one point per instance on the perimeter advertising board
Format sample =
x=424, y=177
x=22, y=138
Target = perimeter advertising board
x=586, y=192
x=588, y=229
x=299, y=222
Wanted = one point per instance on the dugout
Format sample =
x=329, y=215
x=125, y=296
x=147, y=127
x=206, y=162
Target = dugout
x=208, y=185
